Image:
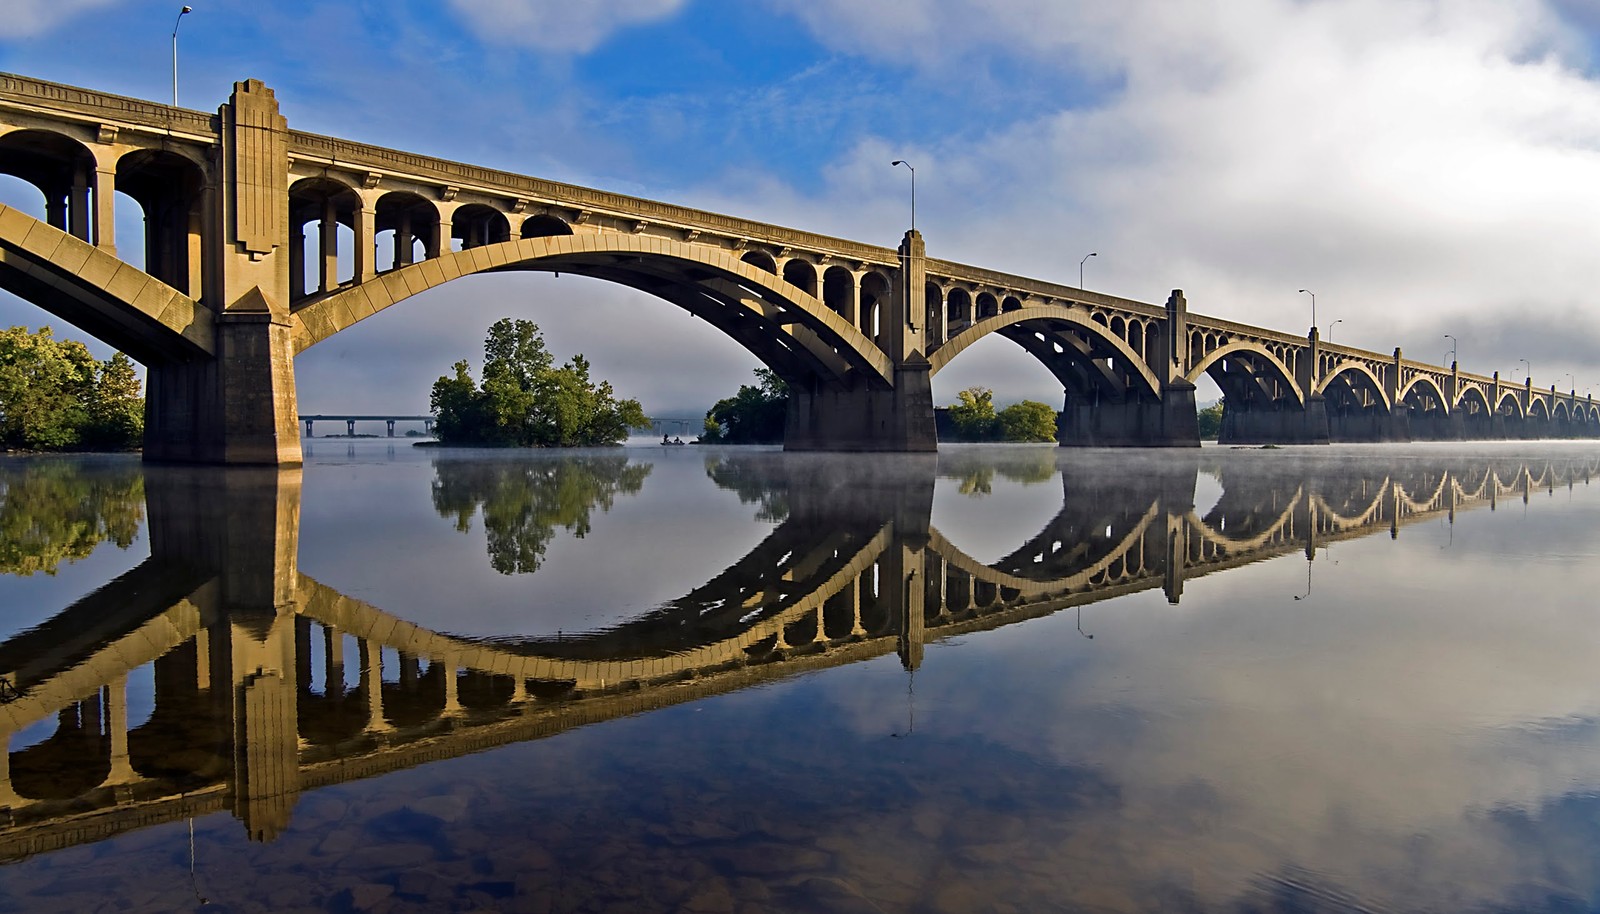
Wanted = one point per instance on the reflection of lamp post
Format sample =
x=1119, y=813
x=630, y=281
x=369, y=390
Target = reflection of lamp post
x=175, y=23
x=1313, y=306
x=1080, y=266
x=913, y=189
x=1452, y=340
x=1080, y=625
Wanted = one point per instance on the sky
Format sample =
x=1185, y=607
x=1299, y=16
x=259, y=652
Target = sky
x=1426, y=167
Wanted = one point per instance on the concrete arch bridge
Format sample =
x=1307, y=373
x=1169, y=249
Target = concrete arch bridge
x=261, y=241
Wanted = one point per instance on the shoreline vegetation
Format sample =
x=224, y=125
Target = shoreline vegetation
x=57, y=398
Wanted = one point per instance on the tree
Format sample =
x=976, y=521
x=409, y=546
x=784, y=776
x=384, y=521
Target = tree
x=754, y=415
x=1029, y=420
x=525, y=401
x=55, y=396
x=973, y=418
x=1211, y=421
x=53, y=512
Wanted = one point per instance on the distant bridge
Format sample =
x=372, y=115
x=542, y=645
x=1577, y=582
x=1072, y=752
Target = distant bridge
x=350, y=422
x=229, y=295
x=231, y=627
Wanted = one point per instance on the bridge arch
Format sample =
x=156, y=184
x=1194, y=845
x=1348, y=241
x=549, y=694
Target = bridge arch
x=783, y=326
x=1509, y=404
x=544, y=225
x=115, y=302
x=1426, y=384
x=1036, y=326
x=62, y=169
x=1261, y=359
x=1348, y=371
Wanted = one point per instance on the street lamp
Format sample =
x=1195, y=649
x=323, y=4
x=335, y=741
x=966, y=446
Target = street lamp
x=1313, y=306
x=913, y=189
x=1452, y=340
x=1333, y=325
x=1080, y=266
x=1528, y=374
x=178, y=21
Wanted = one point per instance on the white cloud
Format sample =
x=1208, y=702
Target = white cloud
x=1417, y=162
x=559, y=25
x=26, y=18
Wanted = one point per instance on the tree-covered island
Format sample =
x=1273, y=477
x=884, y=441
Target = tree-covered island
x=526, y=400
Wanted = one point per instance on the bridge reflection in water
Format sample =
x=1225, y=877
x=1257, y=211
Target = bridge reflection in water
x=269, y=684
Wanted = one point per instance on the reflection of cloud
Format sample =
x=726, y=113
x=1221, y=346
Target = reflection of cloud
x=558, y=26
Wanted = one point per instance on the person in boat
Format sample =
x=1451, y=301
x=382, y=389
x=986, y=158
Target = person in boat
x=664, y=438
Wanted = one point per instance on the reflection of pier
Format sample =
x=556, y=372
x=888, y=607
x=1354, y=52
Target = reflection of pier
x=269, y=683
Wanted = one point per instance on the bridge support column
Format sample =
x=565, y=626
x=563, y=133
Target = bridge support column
x=1170, y=421
x=864, y=418
x=1281, y=423
x=236, y=409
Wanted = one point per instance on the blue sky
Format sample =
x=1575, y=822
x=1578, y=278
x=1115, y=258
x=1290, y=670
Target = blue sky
x=1427, y=166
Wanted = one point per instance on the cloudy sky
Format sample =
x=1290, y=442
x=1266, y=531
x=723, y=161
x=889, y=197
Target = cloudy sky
x=1428, y=167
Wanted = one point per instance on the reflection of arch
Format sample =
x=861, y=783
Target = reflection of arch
x=1049, y=319
x=365, y=621
x=1086, y=577
x=1218, y=535
x=778, y=323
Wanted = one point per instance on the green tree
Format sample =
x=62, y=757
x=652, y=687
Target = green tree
x=1211, y=421
x=973, y=418
x=525, y=401
x=1029, y=420
x=754, y=415
x=55, y=396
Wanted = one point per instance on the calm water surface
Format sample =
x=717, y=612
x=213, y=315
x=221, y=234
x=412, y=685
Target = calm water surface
x=687, y=679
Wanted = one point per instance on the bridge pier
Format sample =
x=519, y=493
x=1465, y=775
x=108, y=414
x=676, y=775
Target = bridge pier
x=1280, y=423
x=1170, y=421
x=862, y=417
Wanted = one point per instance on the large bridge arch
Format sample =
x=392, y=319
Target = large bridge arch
x=1261, y=359
x=782, y=325
x=1368, y=380
x=1032, y=320
x=113, y=301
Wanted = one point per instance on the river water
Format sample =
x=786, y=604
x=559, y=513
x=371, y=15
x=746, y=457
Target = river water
x=734, y=680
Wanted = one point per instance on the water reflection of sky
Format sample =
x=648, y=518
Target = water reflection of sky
x=1405, y=723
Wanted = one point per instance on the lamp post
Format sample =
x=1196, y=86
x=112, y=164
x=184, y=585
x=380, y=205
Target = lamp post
x=913, y=189
x=1452, y=340
x=175, y=23
x=1331, y=326
x=1528, y=373
x=1080, y=266
x=1313, y=306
